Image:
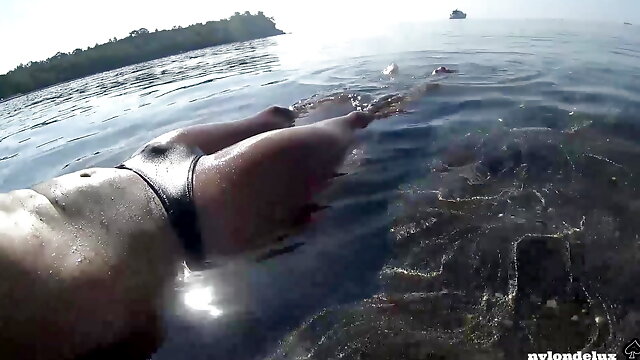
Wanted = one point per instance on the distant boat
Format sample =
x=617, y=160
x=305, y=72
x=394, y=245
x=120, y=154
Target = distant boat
x=626, y=23
x=457, y=14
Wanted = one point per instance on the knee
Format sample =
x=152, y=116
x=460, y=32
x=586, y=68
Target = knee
x=279, y=111
x=358, y=119
x=341, y=129
x=172, y=137
x=356, y=115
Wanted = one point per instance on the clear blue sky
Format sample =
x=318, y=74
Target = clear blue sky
x=37, y=29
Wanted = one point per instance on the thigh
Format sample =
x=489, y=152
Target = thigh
x=248, y=193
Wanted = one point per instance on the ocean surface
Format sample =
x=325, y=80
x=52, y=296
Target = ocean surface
x=496, y=215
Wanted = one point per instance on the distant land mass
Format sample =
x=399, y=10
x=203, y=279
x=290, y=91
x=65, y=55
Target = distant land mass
x=141, y=45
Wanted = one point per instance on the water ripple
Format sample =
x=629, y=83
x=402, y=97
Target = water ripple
x=468, y=173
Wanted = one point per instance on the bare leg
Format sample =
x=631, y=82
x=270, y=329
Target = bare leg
x=246, y=193
x=215, y=137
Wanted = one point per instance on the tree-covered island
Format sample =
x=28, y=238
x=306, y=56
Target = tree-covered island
x=141, y=45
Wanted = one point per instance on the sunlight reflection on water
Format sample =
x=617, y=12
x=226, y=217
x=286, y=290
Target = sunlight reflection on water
x=201, y=299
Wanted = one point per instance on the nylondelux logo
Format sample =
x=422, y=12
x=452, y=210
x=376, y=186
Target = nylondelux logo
x=593, y=355
x=631, y=351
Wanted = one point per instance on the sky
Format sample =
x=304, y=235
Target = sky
x=32, y=30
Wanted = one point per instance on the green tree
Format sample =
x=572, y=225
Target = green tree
x=139, y=46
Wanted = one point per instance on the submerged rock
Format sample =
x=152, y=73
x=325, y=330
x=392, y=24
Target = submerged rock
x=552, y=251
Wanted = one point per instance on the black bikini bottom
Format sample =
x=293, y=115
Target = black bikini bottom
x=168, y=170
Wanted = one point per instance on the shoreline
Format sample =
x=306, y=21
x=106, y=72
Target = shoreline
x=139, y=47
x=13, y=97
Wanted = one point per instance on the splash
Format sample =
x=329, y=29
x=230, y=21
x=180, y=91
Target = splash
x=382, y=107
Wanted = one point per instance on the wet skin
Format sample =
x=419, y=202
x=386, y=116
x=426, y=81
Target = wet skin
x=87, y=255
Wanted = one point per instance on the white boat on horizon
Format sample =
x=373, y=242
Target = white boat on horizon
x=457, y=14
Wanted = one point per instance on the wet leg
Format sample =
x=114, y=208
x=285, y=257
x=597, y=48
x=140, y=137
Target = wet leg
x=215, y=137
x=248, y=192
